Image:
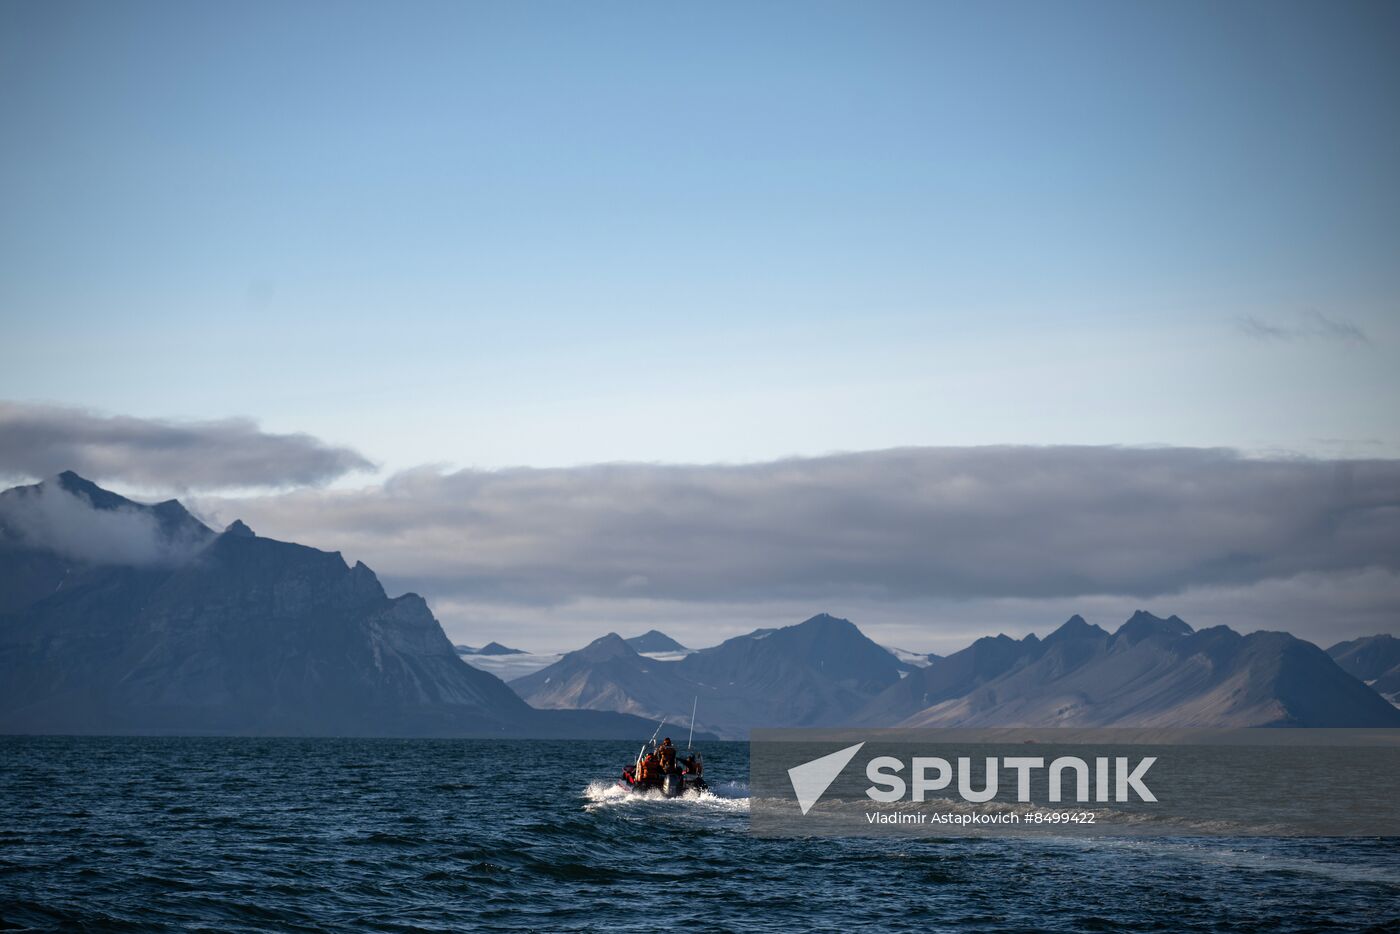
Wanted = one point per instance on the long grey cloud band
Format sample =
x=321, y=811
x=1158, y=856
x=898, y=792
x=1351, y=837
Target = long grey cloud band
x=42, y=440
x=905, y=523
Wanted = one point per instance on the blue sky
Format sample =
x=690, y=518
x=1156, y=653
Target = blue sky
x=476, y=235
x=549, y=233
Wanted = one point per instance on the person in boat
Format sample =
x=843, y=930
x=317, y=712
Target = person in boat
x=692, y=766
x=666, y=756
x=650, y=769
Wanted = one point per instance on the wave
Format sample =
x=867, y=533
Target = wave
x=720, y=797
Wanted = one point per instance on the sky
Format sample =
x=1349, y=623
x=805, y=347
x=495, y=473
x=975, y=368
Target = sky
x=328, y=250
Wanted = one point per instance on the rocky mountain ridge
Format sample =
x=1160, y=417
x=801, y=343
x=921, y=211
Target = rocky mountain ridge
x=192, y=631
x=1151, y=671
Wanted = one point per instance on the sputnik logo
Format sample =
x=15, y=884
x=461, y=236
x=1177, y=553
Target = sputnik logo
x=810, y=780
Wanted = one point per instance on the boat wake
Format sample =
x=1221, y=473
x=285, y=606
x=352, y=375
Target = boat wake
x=720, y=797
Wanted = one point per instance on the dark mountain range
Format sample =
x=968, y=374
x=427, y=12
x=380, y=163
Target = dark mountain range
x=119, y=617
x=824, y=672
x=810, y=674
x=490, y=648
x=1374, y=660
x=1151, y=672
x=655, y=642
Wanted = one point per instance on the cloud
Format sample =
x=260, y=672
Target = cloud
x=1251, y=326
x=1320, y=325
x=54, y=518
x=1312, y=325
x=905, y=524
x=42, y=440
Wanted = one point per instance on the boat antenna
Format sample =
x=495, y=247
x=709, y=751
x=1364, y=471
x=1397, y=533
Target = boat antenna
x=652, y=741
x=693, y=705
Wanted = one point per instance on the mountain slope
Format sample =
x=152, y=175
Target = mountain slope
x=608, y=674
x=944, y=678
x=195, y=632
x=1374, y=660
x=1157, y=672
x=835, y=649
x=812, y=674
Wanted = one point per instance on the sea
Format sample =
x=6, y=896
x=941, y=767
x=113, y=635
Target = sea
x=245, y=834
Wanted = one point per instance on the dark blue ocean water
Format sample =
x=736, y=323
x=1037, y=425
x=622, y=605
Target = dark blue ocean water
x=387, y=835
